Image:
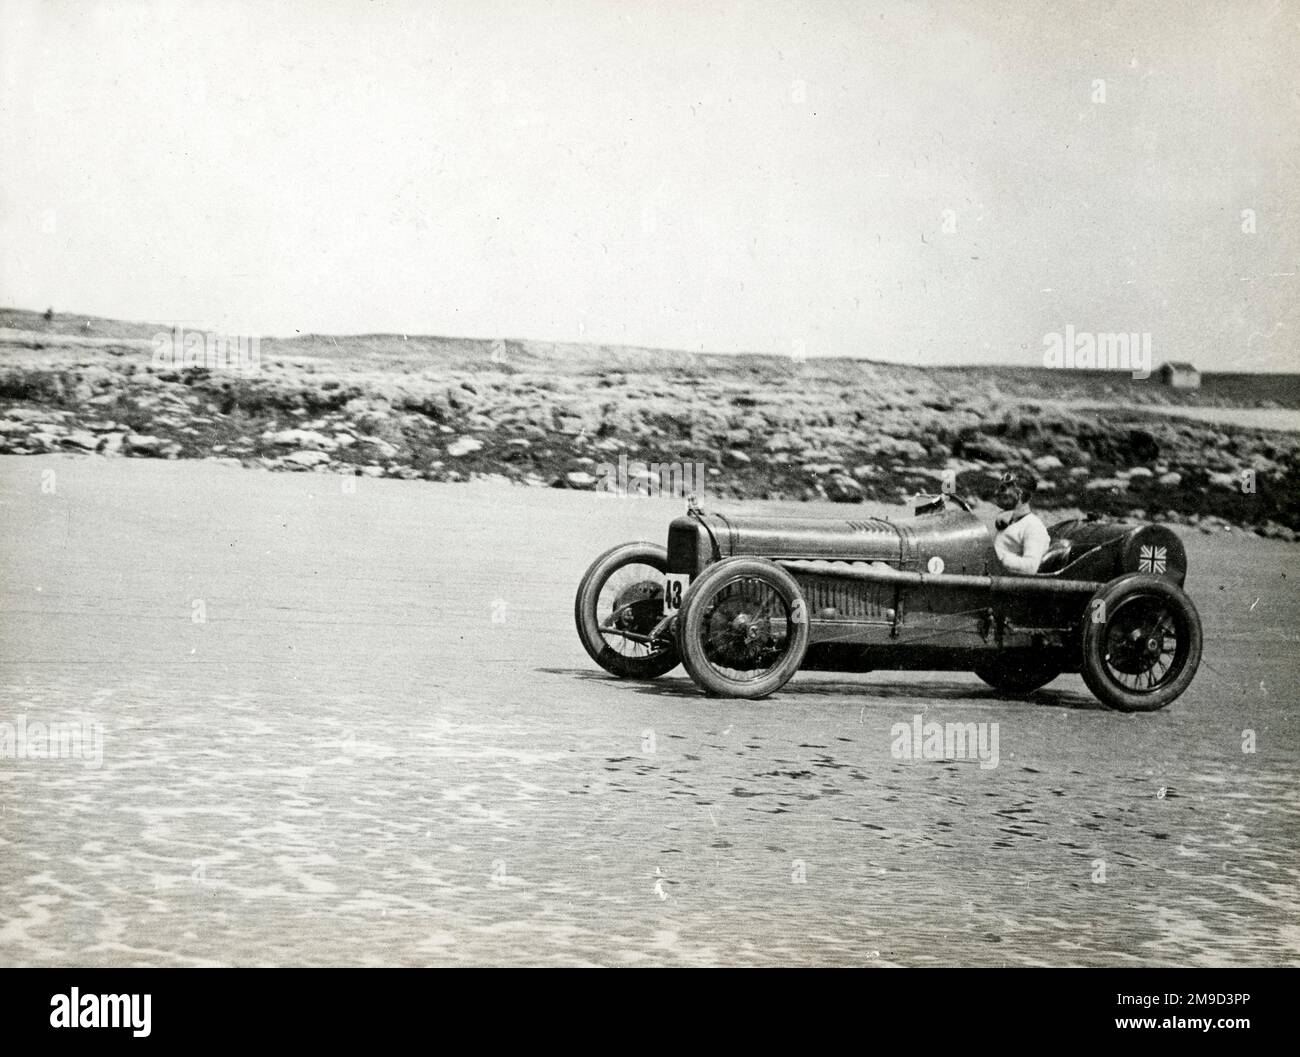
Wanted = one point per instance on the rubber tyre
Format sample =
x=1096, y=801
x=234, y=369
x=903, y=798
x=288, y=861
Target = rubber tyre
x=690, y=627
x=588, y=622
x=1187, y=624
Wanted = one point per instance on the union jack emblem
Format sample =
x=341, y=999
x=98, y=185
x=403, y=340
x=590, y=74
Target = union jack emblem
x=1151, y=559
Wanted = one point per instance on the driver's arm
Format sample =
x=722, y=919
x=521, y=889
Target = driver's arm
x=1034, y=542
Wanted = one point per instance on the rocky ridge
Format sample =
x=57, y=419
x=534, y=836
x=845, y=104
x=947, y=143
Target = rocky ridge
x=754, y=427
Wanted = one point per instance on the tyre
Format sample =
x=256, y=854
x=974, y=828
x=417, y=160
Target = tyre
x=743, y=628
x=1016, y=675
x=620, y=600
x=1141, y=643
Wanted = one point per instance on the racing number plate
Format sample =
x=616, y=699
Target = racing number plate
x=675, y=585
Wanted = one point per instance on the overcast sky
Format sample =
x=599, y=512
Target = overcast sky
x=906, y=181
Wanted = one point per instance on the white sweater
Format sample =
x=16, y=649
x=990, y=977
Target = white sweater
x=1021, y=545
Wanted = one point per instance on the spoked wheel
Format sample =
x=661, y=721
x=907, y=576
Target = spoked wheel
x=743, y=628
x=620, y=601
x=1141, y=643
x=1017, y=675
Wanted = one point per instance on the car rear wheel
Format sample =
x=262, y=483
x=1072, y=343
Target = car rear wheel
x=1141, y=643
x=1016, y=675
x=619, y=602
x=743, y=628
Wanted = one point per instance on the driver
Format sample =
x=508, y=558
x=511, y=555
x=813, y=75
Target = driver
x=1022, y=538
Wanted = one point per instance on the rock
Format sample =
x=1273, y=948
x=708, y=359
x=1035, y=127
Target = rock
x=1114, y=484
x=1047, y=462
x=82, y=439
x=841, y=488
x=580, y=479
x=464, y=446
x=1171, y=479
x=143, y=444
x=785, y=442
x=300, y=438
x=1139, y=471
x=385, y=449
x=1141, y=445
x=1272, y=530
x=739, y=457
x=306, y=458
x=898, y=448
x=42, y=441
x=366, y=405
x=987, y=449
x=30, y=414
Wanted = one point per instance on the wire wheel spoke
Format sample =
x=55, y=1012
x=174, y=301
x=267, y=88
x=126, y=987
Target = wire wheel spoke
x=631, y=601
x=1144, y=647
x=746, y=629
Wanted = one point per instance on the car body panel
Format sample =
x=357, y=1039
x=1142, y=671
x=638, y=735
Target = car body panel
x=955, y=604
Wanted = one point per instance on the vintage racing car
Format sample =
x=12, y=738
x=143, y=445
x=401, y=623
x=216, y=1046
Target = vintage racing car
x=745, y=602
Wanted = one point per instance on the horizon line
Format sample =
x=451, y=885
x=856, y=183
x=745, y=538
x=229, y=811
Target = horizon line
x=299, y=335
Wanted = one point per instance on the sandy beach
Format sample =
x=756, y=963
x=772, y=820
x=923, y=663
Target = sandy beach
x=348, y=721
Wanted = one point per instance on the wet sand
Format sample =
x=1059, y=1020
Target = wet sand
x=383, y=744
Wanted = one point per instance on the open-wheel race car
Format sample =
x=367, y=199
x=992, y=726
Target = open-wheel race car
x=745, y=602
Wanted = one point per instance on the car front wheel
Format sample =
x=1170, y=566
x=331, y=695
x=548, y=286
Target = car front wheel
x=743, y=628
x=620, y=601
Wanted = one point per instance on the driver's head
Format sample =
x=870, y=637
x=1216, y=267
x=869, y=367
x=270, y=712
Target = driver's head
x=1014, y=489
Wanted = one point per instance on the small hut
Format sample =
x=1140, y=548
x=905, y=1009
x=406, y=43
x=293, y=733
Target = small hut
x=1179, y=375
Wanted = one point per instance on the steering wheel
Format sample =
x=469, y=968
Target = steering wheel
x=959, y=501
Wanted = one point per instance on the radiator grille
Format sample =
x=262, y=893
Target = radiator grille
x=683, y=554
